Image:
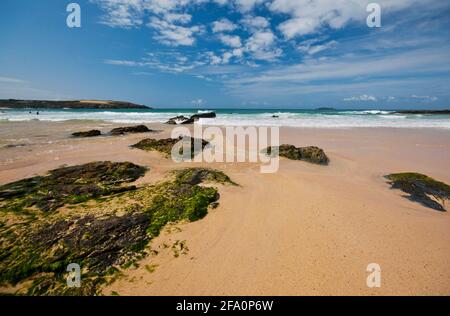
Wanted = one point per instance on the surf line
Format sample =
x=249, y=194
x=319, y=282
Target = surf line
x=187, y=306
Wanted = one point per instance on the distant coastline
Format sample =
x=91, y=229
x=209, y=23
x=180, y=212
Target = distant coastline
x=73, y=104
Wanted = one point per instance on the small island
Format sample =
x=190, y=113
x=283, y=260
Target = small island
x=74, y=104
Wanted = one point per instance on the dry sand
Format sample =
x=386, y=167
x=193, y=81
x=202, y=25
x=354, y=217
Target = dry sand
x=305, y=230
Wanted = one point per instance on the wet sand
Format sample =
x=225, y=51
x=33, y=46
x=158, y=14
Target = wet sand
x=305, y=230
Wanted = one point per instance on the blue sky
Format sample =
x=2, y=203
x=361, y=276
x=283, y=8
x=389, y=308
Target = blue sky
x=237, y=53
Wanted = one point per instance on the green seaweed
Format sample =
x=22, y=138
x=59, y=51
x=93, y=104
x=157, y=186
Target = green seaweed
x=421, y=189
x=166, y=146
x=68, y=185
x=97, y=239
x=310, y=154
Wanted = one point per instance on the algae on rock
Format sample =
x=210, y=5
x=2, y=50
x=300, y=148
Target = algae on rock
x=422, y=189
x=311, y=154
x=166, y=146
x=103, y=235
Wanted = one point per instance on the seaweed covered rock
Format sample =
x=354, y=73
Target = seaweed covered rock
x=195, y=176
x=191, y=120
x=177, y=119
x=311, y=154
x=130, y=130
x=96, y=244
x=194, y=118
x=101, y=238
x=69, y=185
x=422, y=189
x=92, y=133
x=165, y=146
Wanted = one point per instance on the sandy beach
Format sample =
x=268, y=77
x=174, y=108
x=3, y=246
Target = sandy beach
x=305, y=230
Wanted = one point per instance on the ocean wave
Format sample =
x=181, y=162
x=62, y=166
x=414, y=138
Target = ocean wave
x=338, y=119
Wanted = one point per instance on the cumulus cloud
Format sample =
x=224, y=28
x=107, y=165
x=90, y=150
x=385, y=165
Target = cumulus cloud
x=310, y=16
x=232, y=41
x=223, y=25
x=262, y=45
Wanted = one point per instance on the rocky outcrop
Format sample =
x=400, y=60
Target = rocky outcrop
x=130, y=130
x=165, y=145
x=68, y=185
x=177, y=119
x=191, y=120
x=92, y=133
x=310, y=154
x=101, y=236
x=429, y=112
x=421, y=189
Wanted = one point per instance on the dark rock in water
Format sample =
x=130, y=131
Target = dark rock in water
x=69, y=185
x=430, y=112
x=92, y=133
x=421, y=189
x=194, y=118
x=130, y=130
x=311, y=154
x=174, y=120
x=204, y=115
x=275, y=116
x=165, y=145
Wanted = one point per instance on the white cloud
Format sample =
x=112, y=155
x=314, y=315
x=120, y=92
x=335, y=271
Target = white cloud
x=174, y=35
x=310, y=48
x=232, y=41
x=254, y=23
x=363, y=97
x=223, y=25
x=261, y=45
x=122, y=13
x=310, y=16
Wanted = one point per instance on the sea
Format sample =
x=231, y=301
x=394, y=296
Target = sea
x=321, y=118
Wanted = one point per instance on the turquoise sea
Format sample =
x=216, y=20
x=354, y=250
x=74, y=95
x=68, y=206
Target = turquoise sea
x=243, y=117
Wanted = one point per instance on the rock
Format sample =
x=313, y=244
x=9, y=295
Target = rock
x=176, y=119
x=194, y=118
x=165, y=145
x=69, y=185
x=171, y=122
x=130, y=130
x=421, y=189
x=101, y=237
x=428, y=112
x=310, y=154
x=275, y=116
x=204, y=115
x=92, y=133
x=196, y=176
